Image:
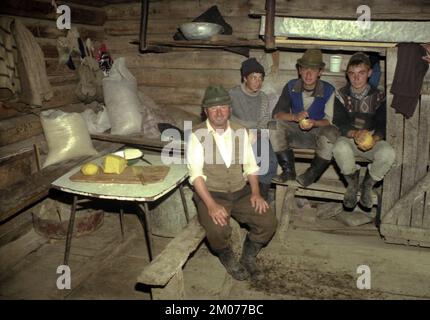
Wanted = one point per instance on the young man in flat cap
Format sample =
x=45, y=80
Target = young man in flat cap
x=220, y=163
x=250, y=108
x=304, y=114
x=360, y=114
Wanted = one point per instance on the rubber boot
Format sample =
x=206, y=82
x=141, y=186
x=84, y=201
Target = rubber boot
x=318, y=166
x=366, y=191
x=233, y=267
x=249, y=253
x=286, y=161
x=350, y=197
x=264, y=190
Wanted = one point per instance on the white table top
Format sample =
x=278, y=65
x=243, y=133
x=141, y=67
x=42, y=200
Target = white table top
x=128, y=192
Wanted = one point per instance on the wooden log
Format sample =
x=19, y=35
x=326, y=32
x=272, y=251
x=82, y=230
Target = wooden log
x=49, y=30
x=23, y=127
x=392, y=181
x=423, y=141
x=240, y=25
x=44, y=10
x=16, y=169
x=208, y=60
x=174, y=256
x=15, y=228
x=22, y=194
x=187, y=9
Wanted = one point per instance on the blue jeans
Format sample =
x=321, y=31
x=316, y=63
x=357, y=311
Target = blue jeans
x=265, y=156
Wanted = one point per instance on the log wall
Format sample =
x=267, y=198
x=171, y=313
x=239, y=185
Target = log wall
x=20, y=127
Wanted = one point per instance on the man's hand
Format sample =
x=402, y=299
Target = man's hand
x=300, y=116
x=259, y=204
x=218, y=214
x=306, y=124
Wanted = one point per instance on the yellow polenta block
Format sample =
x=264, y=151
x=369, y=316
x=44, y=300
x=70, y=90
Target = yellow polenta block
x=114, y=164
x=90, y=169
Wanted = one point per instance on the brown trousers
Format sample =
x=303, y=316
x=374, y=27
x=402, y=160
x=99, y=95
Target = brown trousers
x=238, y=205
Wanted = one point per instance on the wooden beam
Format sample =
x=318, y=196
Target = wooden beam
x=171, y=260
x=44, y=10
x=269, y=31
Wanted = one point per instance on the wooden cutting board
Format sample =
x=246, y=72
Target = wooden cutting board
x=131, y=175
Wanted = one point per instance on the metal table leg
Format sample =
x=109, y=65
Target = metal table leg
x=147, y=227
x=184, y=202
x=70, y=230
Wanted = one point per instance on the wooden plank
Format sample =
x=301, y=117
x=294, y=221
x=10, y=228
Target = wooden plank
x=21, y=195
x=174, y=256
x=174, y=290
x=417, y=213
x=44, y=10
x=19, y=148
x=392, y=181
x=405, y=202
x=410, y=155
x=426, y=217
x=423, y=142
x=404, y=232
x=185, y=9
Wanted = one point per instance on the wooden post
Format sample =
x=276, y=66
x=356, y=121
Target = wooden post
x=269, y=29
x=143, y=25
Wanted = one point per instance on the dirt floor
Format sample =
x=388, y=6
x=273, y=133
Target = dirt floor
x=316, y=259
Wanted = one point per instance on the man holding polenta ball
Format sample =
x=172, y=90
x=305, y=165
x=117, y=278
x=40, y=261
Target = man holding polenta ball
x=360, y=115
x=303, y=117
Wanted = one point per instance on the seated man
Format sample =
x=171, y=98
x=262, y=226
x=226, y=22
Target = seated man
x=250, y=108
x=304, y=114
x=220, y=160
x=360, y=114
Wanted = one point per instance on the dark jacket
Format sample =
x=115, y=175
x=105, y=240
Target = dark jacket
x=368, y=113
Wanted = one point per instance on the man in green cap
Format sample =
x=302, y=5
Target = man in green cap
x=304, y=114
x=220, y=162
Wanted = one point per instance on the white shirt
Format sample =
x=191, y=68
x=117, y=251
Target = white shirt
x=223, y=140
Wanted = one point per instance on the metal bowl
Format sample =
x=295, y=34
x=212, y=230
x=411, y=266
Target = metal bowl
x=200, y=30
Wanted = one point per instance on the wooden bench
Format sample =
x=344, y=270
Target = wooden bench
x=329, y=186
x=164, y=274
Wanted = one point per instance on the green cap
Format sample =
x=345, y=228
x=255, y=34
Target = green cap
x=215, y=96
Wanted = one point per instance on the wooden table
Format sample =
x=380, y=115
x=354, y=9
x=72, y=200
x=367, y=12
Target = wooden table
x=138, y=193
